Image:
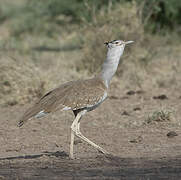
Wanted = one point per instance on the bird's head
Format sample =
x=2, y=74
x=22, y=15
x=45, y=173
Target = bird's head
x=117, y=44
x=116, y=47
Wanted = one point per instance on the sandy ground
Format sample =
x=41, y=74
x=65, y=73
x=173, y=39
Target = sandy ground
x=39, y=150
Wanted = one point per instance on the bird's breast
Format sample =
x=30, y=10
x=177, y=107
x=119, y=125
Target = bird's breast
x=97, y=103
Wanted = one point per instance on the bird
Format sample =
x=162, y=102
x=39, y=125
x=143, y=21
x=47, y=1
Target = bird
x=80, y=96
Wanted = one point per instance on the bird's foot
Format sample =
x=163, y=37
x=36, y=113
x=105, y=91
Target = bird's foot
x=103, y=151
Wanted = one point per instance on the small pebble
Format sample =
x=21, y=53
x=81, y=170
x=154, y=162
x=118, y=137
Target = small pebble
x=137, y=109
x=125, y=113
x=113, y=97
x=161, y=97
x=172, y=134
x=131, y=92
x=136, y=140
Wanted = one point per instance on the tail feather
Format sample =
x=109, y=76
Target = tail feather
x=29, y=114
x=20, y=123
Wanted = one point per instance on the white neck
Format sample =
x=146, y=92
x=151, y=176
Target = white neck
x=111, y=63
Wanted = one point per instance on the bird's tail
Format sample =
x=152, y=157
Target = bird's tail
x=29, y=114
x=20, y=123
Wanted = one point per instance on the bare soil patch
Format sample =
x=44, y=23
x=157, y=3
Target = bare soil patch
x=140, y=150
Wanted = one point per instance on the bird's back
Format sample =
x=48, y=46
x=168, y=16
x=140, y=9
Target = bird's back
x=73, y=95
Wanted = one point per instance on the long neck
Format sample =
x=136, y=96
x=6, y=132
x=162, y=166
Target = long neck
x=110, y=65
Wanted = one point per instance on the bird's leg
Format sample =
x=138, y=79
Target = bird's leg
x=73, y=130
x=78, y=126
x=79, y=134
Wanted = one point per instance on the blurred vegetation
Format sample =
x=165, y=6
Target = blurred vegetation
x=48, y=34
x=159, y=116
x=160, y=15
x=109, y=26
x=45, y=15
x=20, y=80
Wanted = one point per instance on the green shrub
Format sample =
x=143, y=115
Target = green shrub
x=47, y=15
x=7, y=10
x=160, y=15
x=159, y=116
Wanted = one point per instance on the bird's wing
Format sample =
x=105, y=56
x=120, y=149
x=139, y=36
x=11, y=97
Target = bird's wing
x=45, y=104
x=72, y=95
x=85, y=94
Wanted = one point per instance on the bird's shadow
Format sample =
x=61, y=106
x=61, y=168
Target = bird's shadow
x=34, y=156
x=99, y=167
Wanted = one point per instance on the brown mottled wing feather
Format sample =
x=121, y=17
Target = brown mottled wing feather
x=74, y=95
x=85, y=93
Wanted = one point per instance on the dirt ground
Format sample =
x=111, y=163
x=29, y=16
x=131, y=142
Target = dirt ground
x=139, y=150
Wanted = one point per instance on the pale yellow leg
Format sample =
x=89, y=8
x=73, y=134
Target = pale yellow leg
x=75, y=130
x=71, y=155
x=79, y=134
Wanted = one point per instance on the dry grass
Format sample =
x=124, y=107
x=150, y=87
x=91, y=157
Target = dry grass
x=18, y=79
x=159, y=116
x=150, y=62
x=23, y=78
x=120, y=23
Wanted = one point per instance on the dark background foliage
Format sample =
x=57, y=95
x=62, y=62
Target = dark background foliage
x=157, y=15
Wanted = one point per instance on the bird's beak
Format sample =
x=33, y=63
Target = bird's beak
x=128, y=42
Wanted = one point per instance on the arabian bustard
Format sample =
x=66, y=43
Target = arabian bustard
x=80, y=96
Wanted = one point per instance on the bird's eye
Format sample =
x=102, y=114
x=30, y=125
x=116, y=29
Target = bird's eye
x=116, y=42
